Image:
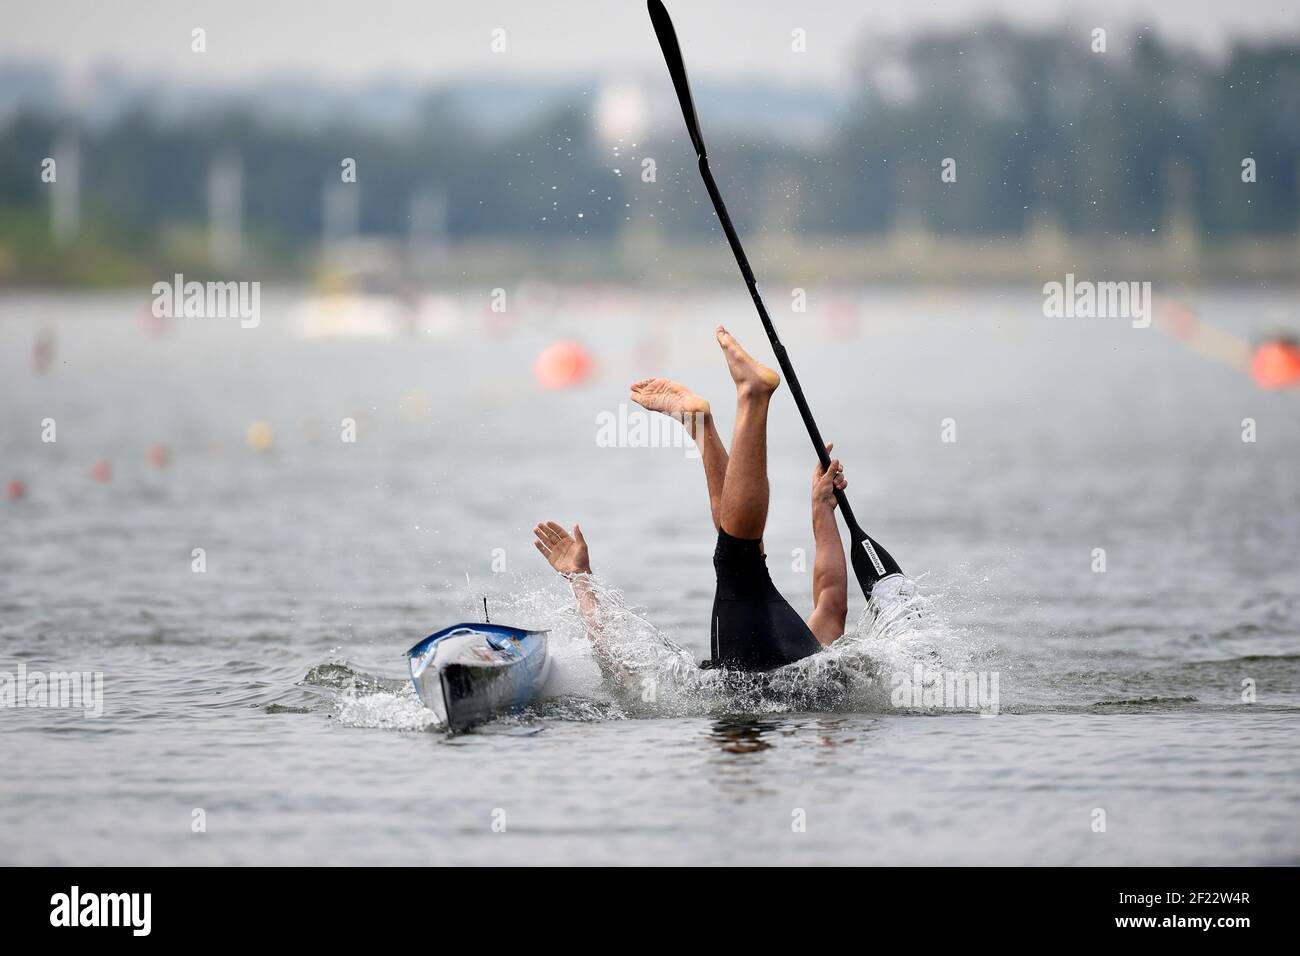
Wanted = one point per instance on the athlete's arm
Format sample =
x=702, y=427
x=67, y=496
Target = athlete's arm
x=830, y=572
x=567, y=554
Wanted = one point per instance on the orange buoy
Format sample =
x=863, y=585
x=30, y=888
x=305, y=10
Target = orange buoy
x=101, y=471
x=15, y=489
x=1276, y=364
x=154, y=325
x=562, y=365
x=159, y=455
x=841, y=320
x=1180, y=321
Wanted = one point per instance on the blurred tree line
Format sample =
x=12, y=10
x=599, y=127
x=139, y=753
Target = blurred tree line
x=1037, y=123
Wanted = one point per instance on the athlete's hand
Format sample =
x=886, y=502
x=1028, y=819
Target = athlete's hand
x=567, y=553
x=826, y=481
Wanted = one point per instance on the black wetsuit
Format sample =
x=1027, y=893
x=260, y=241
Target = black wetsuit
x=754, y=628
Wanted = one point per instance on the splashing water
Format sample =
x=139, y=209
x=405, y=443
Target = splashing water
x=650, y=675
x=386, y=710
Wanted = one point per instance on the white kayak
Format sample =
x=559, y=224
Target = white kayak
x=469, y=673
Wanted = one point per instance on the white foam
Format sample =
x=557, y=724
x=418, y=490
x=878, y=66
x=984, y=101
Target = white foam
x=656, y=677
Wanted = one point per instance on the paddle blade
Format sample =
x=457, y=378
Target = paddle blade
x=870, y=563
x=672, y=51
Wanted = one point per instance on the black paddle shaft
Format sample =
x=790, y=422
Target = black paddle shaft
x=871, y=562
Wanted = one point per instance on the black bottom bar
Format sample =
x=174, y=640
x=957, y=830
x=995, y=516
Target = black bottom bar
x=932, y=908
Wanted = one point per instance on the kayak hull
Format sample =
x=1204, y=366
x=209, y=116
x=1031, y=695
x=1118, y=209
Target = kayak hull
x=469, y=673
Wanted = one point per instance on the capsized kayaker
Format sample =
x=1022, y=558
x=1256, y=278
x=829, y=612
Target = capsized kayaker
x=753, y=627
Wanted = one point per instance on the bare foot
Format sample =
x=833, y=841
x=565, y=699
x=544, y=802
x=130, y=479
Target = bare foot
x=672, y=399
x=748, y=374
x=565, y=552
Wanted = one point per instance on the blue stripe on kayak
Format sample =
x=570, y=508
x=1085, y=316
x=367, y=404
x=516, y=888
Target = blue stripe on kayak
x=499, y=630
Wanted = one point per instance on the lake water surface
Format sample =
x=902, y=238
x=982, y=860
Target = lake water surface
x=269, y=691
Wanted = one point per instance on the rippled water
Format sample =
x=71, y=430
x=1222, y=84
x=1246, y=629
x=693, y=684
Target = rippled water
x=269, y=691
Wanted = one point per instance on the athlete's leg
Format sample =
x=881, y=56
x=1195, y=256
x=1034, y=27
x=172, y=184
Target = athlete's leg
x=754, y=628
x=745, y=488
x=679, y=402
x=714, y=456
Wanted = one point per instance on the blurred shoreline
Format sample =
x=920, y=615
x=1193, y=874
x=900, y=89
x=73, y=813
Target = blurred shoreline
x=974, y=156
x=901, y=257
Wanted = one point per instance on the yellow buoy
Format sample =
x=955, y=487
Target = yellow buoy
x=259, y=436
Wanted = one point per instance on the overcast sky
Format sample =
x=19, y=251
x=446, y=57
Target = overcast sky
x=436, y=38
